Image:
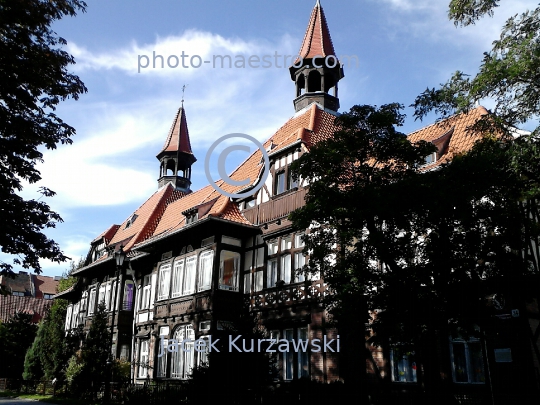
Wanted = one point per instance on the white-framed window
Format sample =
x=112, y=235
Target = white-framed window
x=164, y=281
x=92, y=301
x=229, y=266
x=114, y=300
x=467, y=361
x=146, y=292
x=177, y=278
x=84, y=301
x=143, y=358
x=107, y=296
x=205, y=270
x=68, y=317
x=431, y=158
x=403, y=365
x=101, y=296
x=75, y=316
x=48, y=296
x=299, y=262
x=286, y=268
x=189, y=275
x=182, y=361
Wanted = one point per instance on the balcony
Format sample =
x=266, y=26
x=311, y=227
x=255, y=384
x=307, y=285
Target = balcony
x=278, y=207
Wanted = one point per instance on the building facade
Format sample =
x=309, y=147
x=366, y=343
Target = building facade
x=199, y=259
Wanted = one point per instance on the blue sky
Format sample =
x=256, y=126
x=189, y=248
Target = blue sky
x=403, y=46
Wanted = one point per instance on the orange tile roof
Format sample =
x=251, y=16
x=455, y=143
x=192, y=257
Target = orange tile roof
x=461, y=138
x=317, y=41
x=148, y=216
x=108, y=234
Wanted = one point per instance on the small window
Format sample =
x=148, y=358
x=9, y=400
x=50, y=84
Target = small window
x=146, y=292
x=18, y=293
x=231, y=241
x=191, y=217
x=467, y=361
x=207, y=241
x=286, y=242
x=403, y=364
x=280, y=185
x=131, y=220
x=431, y=158
x=272, y=247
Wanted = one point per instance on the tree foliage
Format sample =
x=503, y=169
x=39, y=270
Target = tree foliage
x=417, y=248
x=33, y=80
x=508, y=74
x=16, y=336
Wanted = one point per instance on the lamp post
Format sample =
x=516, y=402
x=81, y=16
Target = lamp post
x=120, y=258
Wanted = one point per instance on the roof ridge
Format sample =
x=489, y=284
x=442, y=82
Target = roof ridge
x=480, y=107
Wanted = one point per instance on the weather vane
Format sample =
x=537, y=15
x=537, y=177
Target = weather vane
x=183, y=91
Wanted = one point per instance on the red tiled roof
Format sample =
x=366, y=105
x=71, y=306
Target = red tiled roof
x=457, y=127
x=10, y=305
x=148, y=216
x=178, y=137
x=108, y=234
x=317, y=41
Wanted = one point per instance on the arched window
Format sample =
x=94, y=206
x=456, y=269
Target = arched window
x=314, y=81
x=182, y=360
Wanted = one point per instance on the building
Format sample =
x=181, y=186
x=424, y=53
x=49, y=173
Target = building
x=198, y=259
x=28, y=293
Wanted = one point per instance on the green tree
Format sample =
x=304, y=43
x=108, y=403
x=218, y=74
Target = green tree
x=417, y=262
x=16, y=336
x=508, y=74
x=34, y=79
x=52, y=348
x=95, y=353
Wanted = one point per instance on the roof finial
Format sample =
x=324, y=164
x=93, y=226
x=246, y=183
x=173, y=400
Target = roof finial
x=183, y=91
x=318, y=3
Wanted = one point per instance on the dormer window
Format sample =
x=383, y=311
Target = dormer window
x=131, y=220
x=431, y=158
x=191, y=217
x=283, y=180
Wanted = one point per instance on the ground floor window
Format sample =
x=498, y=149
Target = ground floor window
x=182, y=360
x=403, y=364
x=294, y=362
x=467, y=361
x=143, y=359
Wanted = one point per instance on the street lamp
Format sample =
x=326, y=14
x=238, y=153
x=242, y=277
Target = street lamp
x=120, y=258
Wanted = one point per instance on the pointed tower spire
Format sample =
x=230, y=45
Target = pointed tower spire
x=317, y=69
x=176, y=156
